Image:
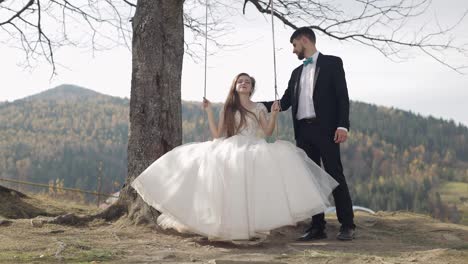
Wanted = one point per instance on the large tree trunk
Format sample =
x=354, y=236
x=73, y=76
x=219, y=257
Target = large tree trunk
x=155, y=101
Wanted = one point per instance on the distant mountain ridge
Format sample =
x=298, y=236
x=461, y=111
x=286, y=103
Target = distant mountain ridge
x=66, y=92
x=394, y=159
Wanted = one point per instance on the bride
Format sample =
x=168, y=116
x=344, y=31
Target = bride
x=236, y=186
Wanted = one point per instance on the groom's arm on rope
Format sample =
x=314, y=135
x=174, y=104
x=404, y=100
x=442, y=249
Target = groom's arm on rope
x=285, y=101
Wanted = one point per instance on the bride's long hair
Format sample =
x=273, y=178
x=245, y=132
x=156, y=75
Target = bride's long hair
x=233, y=104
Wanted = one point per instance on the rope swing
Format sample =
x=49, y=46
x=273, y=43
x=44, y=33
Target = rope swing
x=206, y=45
x=206, y=57
x=274, y=56
x=274, y=51
x=274, y=59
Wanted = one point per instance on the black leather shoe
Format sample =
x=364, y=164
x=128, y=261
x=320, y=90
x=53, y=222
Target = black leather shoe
x=313, y=234
x=345, y=234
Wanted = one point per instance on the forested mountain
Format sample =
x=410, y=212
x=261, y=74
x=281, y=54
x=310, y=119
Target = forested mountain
x=64, y=133
x=394, y=160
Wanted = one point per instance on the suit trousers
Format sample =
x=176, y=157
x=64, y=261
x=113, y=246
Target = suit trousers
x=319, y=145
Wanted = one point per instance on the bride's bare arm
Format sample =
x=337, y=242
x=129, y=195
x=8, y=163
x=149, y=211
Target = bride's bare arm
x=268, y=125
x=215, y=131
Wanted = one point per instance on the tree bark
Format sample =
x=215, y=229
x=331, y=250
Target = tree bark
x=155, y=100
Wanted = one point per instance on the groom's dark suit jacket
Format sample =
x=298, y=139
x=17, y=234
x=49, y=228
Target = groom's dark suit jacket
x=331, y=101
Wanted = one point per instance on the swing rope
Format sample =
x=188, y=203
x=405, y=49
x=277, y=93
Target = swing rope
x=206, y=45
x=274, y=60
x=274, y=57
x=274, y=48
x=206, y=57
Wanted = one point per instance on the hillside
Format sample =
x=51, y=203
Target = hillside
x=62, y=135
x=67, y=92
x=394, y=160
x=386, y=237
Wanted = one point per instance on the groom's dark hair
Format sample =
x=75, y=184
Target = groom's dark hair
x=303, y=31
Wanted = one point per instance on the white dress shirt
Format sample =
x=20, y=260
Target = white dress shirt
x=306, y=103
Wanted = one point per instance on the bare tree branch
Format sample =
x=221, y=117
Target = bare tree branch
x=105, y=24
x=130, y=4
x=95, y=25
x=194, y=21
x=378, y=24
x=17, y=14
x=102, y=24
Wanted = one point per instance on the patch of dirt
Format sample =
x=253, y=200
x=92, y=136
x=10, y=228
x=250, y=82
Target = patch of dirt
x=17, y=205
x=14, y=204
x=387, y=237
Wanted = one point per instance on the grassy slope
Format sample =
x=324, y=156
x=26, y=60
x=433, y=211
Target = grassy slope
x=387, y=237
x=456, y=193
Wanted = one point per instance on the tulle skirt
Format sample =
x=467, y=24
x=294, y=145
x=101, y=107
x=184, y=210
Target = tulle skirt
x=234, y=188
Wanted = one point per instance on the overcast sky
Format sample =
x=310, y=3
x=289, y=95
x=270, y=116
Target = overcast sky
x=419, y=84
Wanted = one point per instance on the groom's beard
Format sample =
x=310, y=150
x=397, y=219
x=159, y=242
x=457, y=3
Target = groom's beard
x=301, y=55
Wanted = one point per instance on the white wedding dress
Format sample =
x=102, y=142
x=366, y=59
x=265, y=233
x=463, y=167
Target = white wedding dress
x=235, y=188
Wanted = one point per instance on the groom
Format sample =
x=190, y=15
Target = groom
x=319, y=99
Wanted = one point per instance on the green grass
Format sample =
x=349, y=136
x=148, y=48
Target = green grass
x=69, y=255
x=456, y=193
x=92, y=255
x=24, y=257
x=451, y=192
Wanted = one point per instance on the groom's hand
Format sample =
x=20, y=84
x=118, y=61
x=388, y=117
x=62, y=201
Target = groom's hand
x=340, y=136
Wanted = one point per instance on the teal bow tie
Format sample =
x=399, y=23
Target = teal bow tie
x=309, y=60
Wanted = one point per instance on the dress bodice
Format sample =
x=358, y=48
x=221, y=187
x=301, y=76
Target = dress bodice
x=252, y=126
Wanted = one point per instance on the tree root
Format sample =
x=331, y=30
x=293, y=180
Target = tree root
x=129, y=204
